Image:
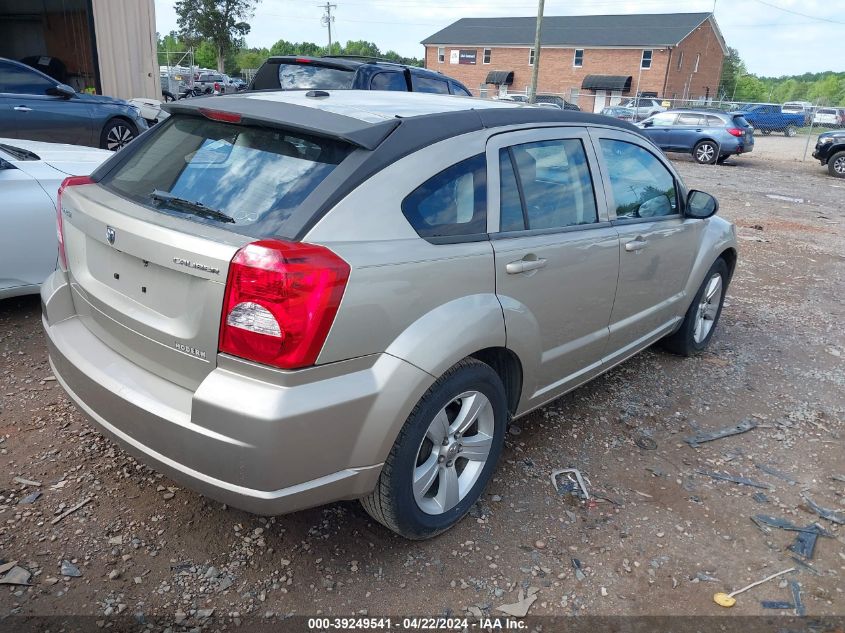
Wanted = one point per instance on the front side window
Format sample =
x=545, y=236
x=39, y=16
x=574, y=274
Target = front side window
x=530, y=56
x=441, y=54
x=389, y=81
x=488, y=55
x=578, y=60
x=554, y=188
x=645, y=62
x=258, y=176
x=20, y=81
x=663, y=119
x=452, y=203
x=642, y=186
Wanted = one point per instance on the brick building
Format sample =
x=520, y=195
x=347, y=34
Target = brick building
x=593, y=60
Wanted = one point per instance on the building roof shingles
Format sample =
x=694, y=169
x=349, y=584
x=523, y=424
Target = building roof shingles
x=640, y=30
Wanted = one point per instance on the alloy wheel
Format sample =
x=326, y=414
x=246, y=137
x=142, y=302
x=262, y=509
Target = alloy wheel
x=705, y=153
x=839, y=165
x=453, y=452
x=118, y=137
x=708, y=309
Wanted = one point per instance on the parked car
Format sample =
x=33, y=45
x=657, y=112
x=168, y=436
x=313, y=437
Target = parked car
x=770, y=117
x=644, y=107
x=555, y=100
x=799, y=107
x=30, y=175
x=830, y=151
x=289, y=298
x=214, y=83
x=618, y=112
x=516, y=98
x=829, y=117
x=709, y=135
x=239, y=83
x=36, y=107
x=358, y=73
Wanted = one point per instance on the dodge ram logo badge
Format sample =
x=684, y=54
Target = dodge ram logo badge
x=110, y=234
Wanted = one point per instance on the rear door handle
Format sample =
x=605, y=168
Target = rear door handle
x=524, y=265
x=638, y=244
x=22, y=109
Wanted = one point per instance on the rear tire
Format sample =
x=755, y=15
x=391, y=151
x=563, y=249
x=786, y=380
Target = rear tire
x=702, y=317
x=836, y=165
x=705, y=153
x=419, y=492
x=721, y=160
x=117, y=133
x=790, y=131
x=766, y=132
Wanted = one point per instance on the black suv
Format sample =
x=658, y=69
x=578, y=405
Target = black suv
x=830, y=151
x=352, y=73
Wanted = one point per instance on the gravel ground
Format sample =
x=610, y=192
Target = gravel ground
x=659, y=538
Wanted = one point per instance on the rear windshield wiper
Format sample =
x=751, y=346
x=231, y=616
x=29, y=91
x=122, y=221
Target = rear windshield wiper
x=190, y=206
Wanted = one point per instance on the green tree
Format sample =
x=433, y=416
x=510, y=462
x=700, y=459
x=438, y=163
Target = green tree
x=251, y=57
x=222, y=23
x=732, y=69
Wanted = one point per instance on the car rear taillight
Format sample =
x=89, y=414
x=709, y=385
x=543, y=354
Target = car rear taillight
x=735, y=131
x=72, y=181
x=281, y=300
x=217, y=86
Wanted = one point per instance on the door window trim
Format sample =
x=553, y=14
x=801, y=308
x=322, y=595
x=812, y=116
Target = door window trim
x=505, y=140
x=597, y=135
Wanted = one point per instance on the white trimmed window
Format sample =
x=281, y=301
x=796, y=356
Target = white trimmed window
x=488, y=54
x=697, y=61
x=441, y=54
x=530, y=56
x=645, y=62
x=578, y=59
x=680, y=60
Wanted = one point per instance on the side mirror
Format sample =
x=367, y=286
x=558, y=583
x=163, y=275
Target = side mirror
x=701, y=205
x=648, y=123
x=62, y=90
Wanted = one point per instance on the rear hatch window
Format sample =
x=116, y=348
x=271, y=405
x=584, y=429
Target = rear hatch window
x=313, y=76
x=740, y=121
x=247, y=179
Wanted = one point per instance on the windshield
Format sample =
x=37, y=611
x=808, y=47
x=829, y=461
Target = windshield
x=256, y=176
x=310, y=76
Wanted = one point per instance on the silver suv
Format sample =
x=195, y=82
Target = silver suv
x=300, y=297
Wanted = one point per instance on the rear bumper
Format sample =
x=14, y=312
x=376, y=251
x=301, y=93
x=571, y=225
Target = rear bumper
x=265, y=448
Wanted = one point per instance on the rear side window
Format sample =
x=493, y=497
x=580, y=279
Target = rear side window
x=714, y=121
x=554, y=186
x=389, y=81
x=430, y=84
x=309, y=76
x=457, y=89
x=642, y=186
x=452, y=203
x=258, y=176
x=691, y=119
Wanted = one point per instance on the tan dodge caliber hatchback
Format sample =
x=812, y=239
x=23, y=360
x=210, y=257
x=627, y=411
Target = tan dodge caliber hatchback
x=282, y=299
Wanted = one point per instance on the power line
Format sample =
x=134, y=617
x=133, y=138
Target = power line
x=803, y=15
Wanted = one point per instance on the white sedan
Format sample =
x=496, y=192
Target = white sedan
x=30, y=175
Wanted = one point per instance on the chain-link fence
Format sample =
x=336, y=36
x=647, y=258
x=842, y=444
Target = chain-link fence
x=802, y=121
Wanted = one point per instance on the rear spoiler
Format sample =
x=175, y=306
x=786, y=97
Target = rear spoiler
x=289, y=116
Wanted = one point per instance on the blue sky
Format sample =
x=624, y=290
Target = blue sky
x=774, y=37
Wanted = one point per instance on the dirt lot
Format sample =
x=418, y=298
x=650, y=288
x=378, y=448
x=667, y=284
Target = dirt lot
x=662, y=538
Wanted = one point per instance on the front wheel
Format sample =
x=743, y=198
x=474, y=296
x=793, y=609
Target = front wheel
x=836, y=165
x=766, y=132
x=445, y=453
x=117, y=133
x=701, y=318
x=705, y=153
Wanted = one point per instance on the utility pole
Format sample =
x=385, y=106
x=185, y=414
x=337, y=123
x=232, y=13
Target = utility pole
x=532, y=90
x=327, y=20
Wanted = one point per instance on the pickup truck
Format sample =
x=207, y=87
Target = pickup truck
x=214, y=83
x=768, y=118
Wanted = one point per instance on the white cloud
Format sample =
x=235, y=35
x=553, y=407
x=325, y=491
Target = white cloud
x=771, y=42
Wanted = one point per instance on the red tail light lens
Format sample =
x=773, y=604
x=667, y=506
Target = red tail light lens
x=735, y=131
x=217, y=86
x=281, y=300
x=60, y=225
